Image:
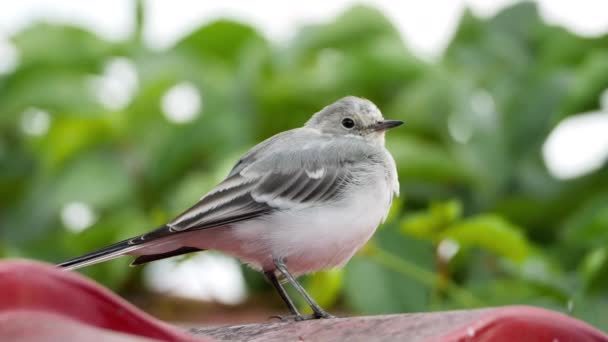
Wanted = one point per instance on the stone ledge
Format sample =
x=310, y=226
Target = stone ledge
x=517, y=323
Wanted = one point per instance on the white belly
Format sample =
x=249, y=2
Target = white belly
x=309, y=239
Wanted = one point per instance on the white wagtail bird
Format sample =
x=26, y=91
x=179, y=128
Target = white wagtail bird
x=301, y=201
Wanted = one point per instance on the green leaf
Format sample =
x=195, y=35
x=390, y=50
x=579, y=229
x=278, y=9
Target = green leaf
x=222, y=40
x=592, y=309
x=429, y=224
x=356, y=26
x=188, y=191
x=416, y=103
x=422, y=160
x=594, y=270
x=586, y=228
x=98, y=179
x=373, y=288
x=325, y=287
x=590, y=79
x=492, y=233
x=395, y=210
x=60, y=92
x=70, y=136
x=363, y=281
x=501, y=291
x=62, y=46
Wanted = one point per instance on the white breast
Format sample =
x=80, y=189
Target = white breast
x=312, y=238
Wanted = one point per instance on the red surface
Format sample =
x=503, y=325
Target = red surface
x=40, y=302
x=40, y=326
x=525, y=324
x=34, y=289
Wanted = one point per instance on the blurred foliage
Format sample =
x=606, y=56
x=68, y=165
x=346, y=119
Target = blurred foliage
x=480, y=220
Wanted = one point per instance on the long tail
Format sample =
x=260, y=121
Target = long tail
x=152, y=238
x=103, y=254
x=115, y=250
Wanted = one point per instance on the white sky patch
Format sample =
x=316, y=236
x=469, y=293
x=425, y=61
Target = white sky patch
x=426, y=26
x=204, y=276
x=280, y=20
x=111, y=19
x=577, y=146
x=117, y=85
x=182, y=103
x=580, y=16
x=77, y=216
x=35, y=122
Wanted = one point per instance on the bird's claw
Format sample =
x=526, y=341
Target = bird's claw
x=295, y=318
x=323, y=314
x=298, y=318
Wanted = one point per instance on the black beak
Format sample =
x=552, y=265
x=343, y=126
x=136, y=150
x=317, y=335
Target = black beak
x=386, y=124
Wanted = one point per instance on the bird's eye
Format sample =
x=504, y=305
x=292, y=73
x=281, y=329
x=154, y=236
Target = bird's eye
x=348, y=123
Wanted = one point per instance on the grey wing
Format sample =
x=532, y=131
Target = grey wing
x=240, y=197
x=271, y=178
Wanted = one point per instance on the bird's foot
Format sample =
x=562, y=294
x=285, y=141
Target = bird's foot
x=298, y=318
x=323, y=314
x=295, y=318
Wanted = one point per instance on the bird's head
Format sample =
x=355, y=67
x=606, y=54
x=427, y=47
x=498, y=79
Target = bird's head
x=353, y=116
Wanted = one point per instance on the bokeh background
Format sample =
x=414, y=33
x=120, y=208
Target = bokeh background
x=117, y=115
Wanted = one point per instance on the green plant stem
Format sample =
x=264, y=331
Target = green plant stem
x=407, y=268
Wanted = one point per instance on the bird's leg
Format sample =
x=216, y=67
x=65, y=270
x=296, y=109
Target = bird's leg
x=272, y=277
x=317, y=310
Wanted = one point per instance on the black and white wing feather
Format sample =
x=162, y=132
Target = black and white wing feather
x=272, y=177
x=252, y=193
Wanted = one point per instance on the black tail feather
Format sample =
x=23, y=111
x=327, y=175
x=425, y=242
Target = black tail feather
x=127, y=246
x=102, y=254
x=142, y=259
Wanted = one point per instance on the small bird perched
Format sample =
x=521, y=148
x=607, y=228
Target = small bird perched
x=303, y=200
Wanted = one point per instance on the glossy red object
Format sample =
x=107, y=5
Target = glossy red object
x=41, y=302
x=524, y=324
